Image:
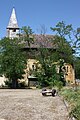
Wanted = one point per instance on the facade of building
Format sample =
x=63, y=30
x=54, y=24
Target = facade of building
x=70, y=73
x=13, y=32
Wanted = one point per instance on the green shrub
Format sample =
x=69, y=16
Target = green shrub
x=73, y=98
x=22, y=84
x=75, y=112
x=8, y=83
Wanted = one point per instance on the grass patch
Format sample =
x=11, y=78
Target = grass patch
x=73, y=99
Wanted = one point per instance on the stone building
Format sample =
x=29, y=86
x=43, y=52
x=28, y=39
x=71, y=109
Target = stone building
x=39, y=40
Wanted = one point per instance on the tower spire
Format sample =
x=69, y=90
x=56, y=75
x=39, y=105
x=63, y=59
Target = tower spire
x=13, y=20
x=12, y=28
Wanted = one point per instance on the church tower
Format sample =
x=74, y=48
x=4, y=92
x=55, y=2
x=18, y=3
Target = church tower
x=12, y=28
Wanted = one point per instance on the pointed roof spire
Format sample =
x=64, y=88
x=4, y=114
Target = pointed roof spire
x=13, y=20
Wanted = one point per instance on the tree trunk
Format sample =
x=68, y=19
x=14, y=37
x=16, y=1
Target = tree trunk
x=14, y=83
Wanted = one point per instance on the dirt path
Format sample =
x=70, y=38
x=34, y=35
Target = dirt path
x=30, y=105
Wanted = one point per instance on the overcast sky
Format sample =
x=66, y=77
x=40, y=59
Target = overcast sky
x=36, y=13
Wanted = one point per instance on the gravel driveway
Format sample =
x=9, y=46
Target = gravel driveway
x=27, y=104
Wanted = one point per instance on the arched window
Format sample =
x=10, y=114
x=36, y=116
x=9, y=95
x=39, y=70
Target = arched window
x=33, y=67
x=67, y=69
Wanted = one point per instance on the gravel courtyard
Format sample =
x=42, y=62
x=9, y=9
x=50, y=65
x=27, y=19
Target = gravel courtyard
x=28, y=104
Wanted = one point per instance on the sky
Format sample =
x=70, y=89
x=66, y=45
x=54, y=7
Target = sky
x=37, y=13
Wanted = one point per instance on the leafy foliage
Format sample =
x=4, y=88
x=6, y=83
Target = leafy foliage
x=12, y=60
x=77, y=67
x=26, y=35
x=73, y=98
x=63, y=52
x=62, y=42
x=47, y=73
x=62, y=29
x=63, y=49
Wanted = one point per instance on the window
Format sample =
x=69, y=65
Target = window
x=67, y=68
x=14, y=30
x=33, y=67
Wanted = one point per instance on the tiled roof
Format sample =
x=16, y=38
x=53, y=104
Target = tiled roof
x=45, y=41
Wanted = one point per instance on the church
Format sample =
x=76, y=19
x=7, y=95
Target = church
x=12, y=31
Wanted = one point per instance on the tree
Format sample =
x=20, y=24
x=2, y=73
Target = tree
x=76, y=44
x=50, y=58
x=68, y=41
x=63, y=30
x=76, y=47
x=26, y=35
x=77, y=67
x=62, y=41
x=13, y=59
x=46, y=72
